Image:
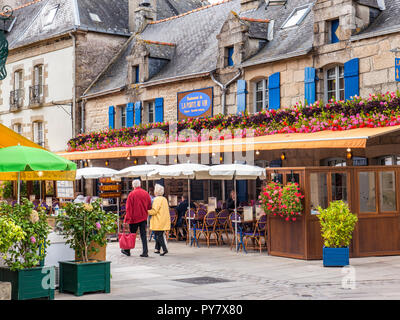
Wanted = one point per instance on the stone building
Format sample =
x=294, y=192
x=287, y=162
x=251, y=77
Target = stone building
x=253, y=56
x=57, y=49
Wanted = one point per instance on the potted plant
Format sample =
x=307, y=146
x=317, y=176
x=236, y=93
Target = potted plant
x=23, y=242
x=337, y=226
x=85, y=227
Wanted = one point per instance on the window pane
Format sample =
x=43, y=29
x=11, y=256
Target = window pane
x=123, y=117
x=367, y=198
x=151, y=112
x=295, y=18
x=319, y=191
x=295, y=178
x=387, y=193
x=339, y=187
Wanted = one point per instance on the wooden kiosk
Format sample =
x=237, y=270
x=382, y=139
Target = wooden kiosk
x=372, y=192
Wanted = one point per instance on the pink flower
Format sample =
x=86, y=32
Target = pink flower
x=33, y=239
x=98, y=225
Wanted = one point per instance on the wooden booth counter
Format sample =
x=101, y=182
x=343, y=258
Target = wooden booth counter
x=373, y=193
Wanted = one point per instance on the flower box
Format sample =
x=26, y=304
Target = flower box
x=79, y=278
x=28, y=284
x=336, y=257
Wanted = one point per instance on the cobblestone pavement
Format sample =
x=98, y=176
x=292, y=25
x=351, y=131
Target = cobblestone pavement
x=251, y=276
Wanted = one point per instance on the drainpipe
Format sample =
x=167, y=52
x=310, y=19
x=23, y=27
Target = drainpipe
x=73, y=111
x=224, y=87
x=83, y=104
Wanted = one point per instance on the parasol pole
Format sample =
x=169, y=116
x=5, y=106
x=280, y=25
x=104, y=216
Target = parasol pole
x=189, y=234
x=19, y=188
x=236, y=215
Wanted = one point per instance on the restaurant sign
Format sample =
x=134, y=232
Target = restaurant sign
x=195, y=104
x=397, y=69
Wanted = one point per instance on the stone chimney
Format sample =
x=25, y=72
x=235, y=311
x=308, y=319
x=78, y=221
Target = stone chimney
x=141, y=12
x=246, y=5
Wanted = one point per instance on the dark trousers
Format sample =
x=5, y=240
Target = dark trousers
x=142, y=225
x=160, y=243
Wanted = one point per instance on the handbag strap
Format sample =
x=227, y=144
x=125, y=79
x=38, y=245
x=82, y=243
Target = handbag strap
x=124, y=229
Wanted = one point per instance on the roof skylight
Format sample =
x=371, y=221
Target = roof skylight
x=50, y=15
x=94, y=17
x=296, y=17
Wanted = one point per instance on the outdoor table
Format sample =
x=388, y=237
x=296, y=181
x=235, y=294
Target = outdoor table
x=240, y=226
x=194, y=222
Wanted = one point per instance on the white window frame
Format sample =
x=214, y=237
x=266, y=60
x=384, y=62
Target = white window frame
x=122, y=116
x=265, y=98
x=38, y=78
x=153, y=104
x=337, y=79
x=308, y=9
x=17, y=127
x=38, y=133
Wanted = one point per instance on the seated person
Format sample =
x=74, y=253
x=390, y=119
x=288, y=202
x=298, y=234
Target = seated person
x=181, y=210
x=230, y=204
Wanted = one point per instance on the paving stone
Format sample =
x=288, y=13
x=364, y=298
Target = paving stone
x=5, y=291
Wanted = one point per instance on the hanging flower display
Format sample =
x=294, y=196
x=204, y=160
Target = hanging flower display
x=382, y=110
x=284, y=202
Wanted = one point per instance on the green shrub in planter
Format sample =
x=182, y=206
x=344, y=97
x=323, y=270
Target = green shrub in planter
x=82, y=226
x=337, y=226
x=23, y=242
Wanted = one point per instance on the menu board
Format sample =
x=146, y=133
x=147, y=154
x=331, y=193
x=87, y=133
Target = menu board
x=248, y=213
x=65, y=189
x=259, y=212
x=109, y=188
x=173, y=200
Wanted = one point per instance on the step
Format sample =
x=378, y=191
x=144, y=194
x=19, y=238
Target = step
x=5, y=291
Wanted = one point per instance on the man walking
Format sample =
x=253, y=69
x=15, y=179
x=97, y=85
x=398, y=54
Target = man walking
x=137, y=206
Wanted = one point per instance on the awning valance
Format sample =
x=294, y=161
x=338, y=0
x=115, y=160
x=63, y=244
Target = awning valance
x=355, y=139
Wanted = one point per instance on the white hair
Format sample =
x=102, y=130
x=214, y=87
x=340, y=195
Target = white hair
x=136, y=183
x=158, y=190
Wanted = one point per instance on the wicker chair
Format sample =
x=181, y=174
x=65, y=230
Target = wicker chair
x=223, y=225
x=209, y=227
x=259, y=233
x=174, y=216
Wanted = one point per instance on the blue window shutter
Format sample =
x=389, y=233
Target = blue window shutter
x=129, y=115
x=334, y=29
x=138, y=113
x=159, y=110
x=352, y=78
x=241, y=96
x=310, y=81
x=274, y=88
x=111, y=117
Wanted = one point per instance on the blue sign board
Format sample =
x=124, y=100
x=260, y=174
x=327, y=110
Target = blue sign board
x=195, y=104
x=397, y=69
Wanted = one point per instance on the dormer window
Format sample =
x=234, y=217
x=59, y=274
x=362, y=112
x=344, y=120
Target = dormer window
x=296, y=17
x=50, y=15
x=229, y=56
x=135, y=74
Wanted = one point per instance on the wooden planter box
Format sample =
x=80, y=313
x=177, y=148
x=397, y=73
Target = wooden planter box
x=27, y=284
x=336, y=257
x=101, y=255
x=79, y=278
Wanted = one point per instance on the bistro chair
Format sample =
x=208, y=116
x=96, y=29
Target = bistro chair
x=191, y=227
x=232, y=218
x=209, y=227
x=200, y=214
x=259, y=232
x=173, y=216
x=223, y=225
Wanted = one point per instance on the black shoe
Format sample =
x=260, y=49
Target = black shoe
x=126, y=252
x=144, y=255
x=158, y=252
x=164, y=253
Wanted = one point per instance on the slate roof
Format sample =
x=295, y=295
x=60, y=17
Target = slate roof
x=194, y=35
x=197, y=46
x=387, y=21
x=286, y=42
x=75, y=14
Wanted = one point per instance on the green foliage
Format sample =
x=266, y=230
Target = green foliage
x=10, y=233
x=85, y=225
x=6, y=190
x=337, y=224
x=27, y=251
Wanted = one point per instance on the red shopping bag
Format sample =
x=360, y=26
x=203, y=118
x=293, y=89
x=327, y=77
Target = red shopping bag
x=127, y=241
